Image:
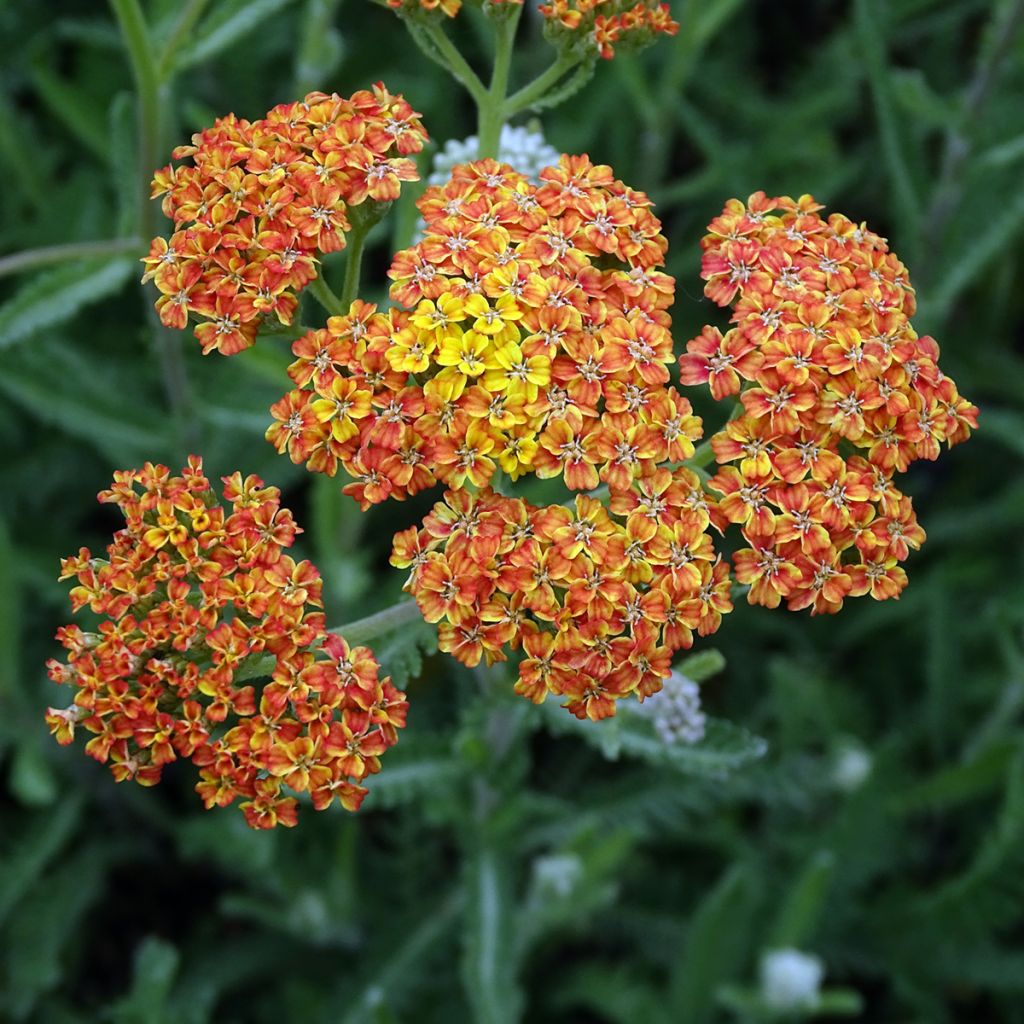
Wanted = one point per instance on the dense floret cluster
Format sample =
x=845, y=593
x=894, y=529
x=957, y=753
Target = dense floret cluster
x=838, y=393
x=599, y=25
x=260, y=200
x=599, y=599
x=532, y=335
x=196, y=601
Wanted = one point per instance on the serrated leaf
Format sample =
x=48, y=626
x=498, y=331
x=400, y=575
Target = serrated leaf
x=55, y=296
x=408, y=781
x=725, y=747
x=116, y=426
x=229, y=23
x=401, y=651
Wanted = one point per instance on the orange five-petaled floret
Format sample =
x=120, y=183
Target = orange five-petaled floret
x=197, y=600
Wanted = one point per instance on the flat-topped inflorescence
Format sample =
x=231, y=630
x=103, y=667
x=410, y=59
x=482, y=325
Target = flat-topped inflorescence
x=198, y=599
x=260, y=200
x=838, y=393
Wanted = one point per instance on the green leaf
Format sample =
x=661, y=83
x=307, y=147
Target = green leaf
x=725, y=748
x=229, y=23
x=45, y=924
x=57, y=295
x=37, y=844
x=401, y=651
x=715, y=947
x=703, y=665
x=489, y=961
x=799, y=915
x=911, y=91
x=156, y=963
x=412, y=779
x=71, y=105
x=10, y=623
x=116, y=425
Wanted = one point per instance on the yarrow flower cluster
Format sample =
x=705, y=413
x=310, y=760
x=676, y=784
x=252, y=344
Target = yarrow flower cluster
x=192, y=595
x=532, y=334
x=608, y=23
x=523, y=149
x=599, y=24
x=838, y=393
x=598, y=598
x=675, y=711
x=261, y=199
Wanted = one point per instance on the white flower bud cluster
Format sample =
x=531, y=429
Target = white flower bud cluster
x=675, y=711
x=791, y=980
x=523, y=149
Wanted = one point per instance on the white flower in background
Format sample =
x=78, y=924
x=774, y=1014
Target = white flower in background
x=522, y=148
x=557, y=874
x=850, y=768
x=791, y=980
x=675, y=711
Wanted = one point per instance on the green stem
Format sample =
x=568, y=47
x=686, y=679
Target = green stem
x=453, y=60
x=353, y=266
x=492, y=110
x=29, y=259
x=150, y=121
x=534, y=90
x=321, y=291
x=187, y=20
x=147, y=83
x=384, y=621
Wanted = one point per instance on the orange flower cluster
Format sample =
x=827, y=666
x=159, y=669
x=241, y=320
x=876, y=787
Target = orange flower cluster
x=260, y=199
x=449, y=8
x=534, y=336
x=603, y=23
x=598, y=598
x=840, y=394
x=197, y=600
x=609, y=23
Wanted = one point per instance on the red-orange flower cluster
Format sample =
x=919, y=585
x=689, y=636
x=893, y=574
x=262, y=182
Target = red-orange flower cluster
x=534, y=336
x=838, y=394
x=609, y=23
x=198, y=600
x=604, y=24
x=260, y=199
x=598, y=599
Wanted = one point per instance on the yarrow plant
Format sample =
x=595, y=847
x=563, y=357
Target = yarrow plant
x=527, y=339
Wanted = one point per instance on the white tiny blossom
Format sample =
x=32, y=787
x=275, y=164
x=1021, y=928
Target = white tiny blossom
x=791, y=980
x=851, y=768
x=675, y=711
x=557, y=873
x=523, y=149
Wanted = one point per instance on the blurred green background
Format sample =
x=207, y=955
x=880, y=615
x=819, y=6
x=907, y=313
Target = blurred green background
x=505, y=868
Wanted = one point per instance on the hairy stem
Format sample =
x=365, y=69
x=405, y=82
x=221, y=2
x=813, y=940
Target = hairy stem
x=384, y=621
x=535, y=90
x=150, y=121
x=454, y=61
x=492, y=110
x=353, y=265
x=30, y=259
x=321, y=291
